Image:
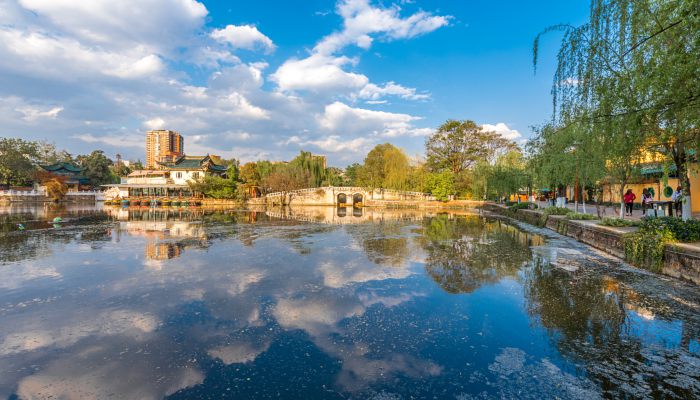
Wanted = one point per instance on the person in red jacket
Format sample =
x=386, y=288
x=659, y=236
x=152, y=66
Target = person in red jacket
x=629, y=202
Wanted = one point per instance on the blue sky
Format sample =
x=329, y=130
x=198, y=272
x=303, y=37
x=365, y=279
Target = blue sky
x=265, y=79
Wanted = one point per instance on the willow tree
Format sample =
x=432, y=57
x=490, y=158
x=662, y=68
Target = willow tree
x=569, y=155
x=630, y=75
x=314, y=165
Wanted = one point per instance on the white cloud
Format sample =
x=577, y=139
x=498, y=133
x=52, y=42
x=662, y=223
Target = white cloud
x=373, y=92
x=119, y=141
x=339, y=117
x=323, y=70
x=154, y=123
x=158, y=25
x=35, y=53
x=32, y=114
x=360, y=20
x=318, y=73
x=243, y=37
x=97, y=74
x=335, y=144
x=241, y=107
x=503, y=130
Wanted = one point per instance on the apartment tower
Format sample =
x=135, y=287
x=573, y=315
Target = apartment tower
x=162, y=146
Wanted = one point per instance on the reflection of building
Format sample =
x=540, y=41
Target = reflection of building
x=163, y=145
x=163, y=250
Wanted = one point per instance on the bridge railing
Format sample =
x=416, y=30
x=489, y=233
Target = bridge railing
x=349, y=189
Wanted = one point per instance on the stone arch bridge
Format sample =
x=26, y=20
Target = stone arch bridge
x=343, y=196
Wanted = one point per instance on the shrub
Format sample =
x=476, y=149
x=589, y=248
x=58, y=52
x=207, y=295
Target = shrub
x=523, y=206
x=580, y=216
x=617, y=222
x=557, y=211
x=683, y=231
x=645, y=248
x=553, y=211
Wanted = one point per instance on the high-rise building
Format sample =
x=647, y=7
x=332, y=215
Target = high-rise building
x=163, y=146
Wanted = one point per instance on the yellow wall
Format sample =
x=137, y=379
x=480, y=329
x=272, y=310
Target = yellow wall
x=658, y=191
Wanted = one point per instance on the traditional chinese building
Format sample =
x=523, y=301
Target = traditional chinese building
x=71, y=172
x=170, y=180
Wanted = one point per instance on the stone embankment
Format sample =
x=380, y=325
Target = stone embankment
x=681, y=260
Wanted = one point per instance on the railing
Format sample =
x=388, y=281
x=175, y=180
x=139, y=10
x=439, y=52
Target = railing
x=23, y=193
x=85, y=193
x=42, y=193
x=350, y=189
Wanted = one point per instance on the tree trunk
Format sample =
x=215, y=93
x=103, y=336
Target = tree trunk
x=687, y=211
x=622, y=200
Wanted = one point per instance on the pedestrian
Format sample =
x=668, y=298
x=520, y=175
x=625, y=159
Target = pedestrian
x=647, y=198
x=629, y=202
x=677, y=198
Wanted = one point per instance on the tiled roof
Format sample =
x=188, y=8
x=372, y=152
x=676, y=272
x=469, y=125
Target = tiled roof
x=62, y=166
x=194, y=163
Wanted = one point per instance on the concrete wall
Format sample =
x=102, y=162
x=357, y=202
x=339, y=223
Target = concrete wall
x=182, y=177
x=681, y=260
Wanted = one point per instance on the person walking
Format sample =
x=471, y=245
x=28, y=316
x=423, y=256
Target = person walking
x=647, y=198
x=629, y=202
x=677, y=199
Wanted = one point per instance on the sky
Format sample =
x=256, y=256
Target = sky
x=265, y=79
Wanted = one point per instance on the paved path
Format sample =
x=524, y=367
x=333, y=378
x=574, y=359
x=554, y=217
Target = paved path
x=604, y=211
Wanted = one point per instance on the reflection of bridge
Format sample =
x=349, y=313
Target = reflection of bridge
x=351, y=215
x=344, y=195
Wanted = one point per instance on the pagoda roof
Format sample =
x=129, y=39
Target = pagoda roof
x=194, y=163
x=59, y=166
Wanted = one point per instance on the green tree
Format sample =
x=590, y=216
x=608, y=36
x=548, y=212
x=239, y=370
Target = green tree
x=441, y=184
x=314, y=165
x=629, y=75
x=97, y=168
x=459, y=145
x=138, y=165
x=249, y=173
x=385, y=166
x=215, y=187
x=286, y=177
x=352, y=174
x=17, y=160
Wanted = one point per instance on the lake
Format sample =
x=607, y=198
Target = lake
x=325, y=303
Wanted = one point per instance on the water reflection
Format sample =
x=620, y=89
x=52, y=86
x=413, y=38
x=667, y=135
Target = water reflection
x=628, y=342
x=152, y=303
x=464, y=253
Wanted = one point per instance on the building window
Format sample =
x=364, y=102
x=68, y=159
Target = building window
x=178, y=175
x=195, y=175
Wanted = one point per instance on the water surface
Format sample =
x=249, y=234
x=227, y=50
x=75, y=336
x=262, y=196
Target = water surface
x=320, y=303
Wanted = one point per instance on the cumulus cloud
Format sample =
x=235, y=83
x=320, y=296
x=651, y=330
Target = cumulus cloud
x=324, y=69
x=373, y=92
x=341, y=117
x=360, y=20
x=243, y=37
x=100, y=73
x=503, y=130
x=318, y=73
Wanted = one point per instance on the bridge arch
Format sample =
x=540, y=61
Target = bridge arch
x=357, y=199
x=342, y=198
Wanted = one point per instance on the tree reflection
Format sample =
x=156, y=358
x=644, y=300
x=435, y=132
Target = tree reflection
x=463, y=253
x=588, y=319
